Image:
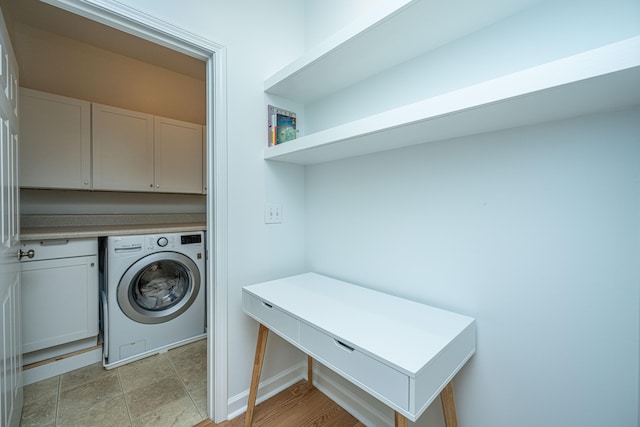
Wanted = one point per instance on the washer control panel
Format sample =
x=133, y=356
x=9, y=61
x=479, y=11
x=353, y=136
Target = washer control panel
x=124, y=246
x=191, y=239
x=156, y=241
x=172, y=241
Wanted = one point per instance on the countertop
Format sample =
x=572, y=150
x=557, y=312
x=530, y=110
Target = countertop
x=43, y=227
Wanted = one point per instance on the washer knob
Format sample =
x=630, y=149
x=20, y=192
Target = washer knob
x=162, y=242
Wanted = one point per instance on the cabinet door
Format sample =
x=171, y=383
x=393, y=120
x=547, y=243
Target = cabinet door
x=122, y=149
x=178, y=156
x=60, y=301
x=55, y=148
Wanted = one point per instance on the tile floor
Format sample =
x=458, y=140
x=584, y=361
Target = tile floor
x=168, y=389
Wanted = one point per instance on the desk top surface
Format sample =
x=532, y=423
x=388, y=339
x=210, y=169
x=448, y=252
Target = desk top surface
x=404, y=333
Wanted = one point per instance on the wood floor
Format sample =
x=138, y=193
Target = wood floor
x=296, y=406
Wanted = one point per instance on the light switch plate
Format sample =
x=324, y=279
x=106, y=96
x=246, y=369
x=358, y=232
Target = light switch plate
x=273, y=213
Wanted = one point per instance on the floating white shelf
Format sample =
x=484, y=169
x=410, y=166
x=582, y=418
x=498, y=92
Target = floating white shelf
x=396, y=32
x=599, y=80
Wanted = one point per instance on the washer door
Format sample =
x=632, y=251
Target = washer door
x=158, y=287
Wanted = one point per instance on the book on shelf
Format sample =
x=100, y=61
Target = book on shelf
x=282, y=125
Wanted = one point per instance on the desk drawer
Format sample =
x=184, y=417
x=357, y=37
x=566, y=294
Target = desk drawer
x=272, y=317
x=372, y=375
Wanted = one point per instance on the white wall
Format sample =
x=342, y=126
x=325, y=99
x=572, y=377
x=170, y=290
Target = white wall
x=325, y=17
x=534, y=231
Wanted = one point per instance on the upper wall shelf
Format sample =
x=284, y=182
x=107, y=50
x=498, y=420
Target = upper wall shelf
x=599, y=80
x=397, y=32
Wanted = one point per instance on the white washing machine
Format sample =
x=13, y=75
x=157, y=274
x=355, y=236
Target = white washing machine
x=152, y=294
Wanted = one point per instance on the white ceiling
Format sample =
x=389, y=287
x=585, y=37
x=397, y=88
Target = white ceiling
x=54, y=20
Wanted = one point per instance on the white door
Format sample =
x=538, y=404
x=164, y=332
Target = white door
x=10, y=315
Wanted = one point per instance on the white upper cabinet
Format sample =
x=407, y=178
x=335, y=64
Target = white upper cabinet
x=55, y=146
x=135, y=151
x=72, y=144
x=122, y=149
x=178, y=156
x=594, y=81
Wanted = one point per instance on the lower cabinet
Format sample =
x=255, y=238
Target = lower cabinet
x=59, y=298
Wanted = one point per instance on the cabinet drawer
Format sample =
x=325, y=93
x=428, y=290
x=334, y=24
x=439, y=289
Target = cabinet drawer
x=59, y=248
x=372, y=375
x=272, y=317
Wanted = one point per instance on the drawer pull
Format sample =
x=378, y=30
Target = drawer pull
x=343, y=345
x=267, y=304
x=54, y=242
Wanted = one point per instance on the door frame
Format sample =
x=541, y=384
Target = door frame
x=135, y=22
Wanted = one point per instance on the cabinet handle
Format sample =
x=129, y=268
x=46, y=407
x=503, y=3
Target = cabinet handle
x=343, y=345
x=29, y=254
x=267, y=304
x=54, y=242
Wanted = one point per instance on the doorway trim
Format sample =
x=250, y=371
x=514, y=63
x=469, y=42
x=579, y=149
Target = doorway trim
x=138, y=23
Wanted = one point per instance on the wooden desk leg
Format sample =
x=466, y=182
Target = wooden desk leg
x=448, y=409
x=449, y=406
x=309, y=372
x=261, y=344
x=400, y=420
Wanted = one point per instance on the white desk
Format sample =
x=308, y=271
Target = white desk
x=402, y=352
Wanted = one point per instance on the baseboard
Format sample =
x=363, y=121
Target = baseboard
x=45, y=355
x=365, y=408
x=60, y=366
x=237, y=405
